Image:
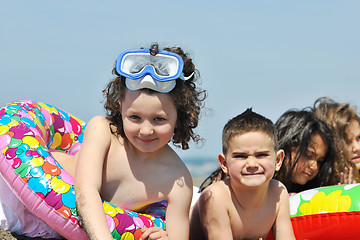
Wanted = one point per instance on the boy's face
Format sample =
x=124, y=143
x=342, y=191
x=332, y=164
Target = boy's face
x=251, y=159
x=149, y=120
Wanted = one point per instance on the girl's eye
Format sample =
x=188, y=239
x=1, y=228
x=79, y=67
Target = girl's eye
x=134, y=117
x=159, y=119
x=321, y=160
x=309, y=156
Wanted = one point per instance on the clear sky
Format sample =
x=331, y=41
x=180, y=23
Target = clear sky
x=269, y=55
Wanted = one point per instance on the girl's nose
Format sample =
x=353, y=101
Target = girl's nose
x=313, y=164
x=356, y=146
x=146, y=128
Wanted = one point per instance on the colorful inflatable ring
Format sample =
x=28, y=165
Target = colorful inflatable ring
x=331, y=212
x=29, y=132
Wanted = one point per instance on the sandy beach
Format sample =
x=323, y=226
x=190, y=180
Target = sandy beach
x=6, y=235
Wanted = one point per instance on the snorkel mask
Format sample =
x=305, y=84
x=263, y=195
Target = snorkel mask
x=146, y=68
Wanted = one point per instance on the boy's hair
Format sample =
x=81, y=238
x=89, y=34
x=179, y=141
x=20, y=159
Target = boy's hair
x=188, y=101
x=248, y=121
x=338, y=117
x=295, y=130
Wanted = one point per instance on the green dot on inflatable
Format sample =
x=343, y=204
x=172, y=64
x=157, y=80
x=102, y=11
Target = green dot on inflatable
x=14, y=143
x=115, y=234
x=52, y=131
x=23, y=169
x=15, y=118
x=74, y=212
x=11, y=111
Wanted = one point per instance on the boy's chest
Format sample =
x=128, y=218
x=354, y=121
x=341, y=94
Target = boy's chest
x=252, y=225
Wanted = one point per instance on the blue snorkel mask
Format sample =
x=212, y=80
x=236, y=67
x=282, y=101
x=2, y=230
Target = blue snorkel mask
x=144, y=68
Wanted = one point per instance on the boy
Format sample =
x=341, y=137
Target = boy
x=249, y=203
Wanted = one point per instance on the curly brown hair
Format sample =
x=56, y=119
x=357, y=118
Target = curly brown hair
x=188, y=101
x=338, y=117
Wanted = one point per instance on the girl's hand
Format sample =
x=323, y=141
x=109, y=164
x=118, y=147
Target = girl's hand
x=346, y=177
x=153, y=233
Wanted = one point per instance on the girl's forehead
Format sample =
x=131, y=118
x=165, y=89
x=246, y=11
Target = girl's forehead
x=140, y=99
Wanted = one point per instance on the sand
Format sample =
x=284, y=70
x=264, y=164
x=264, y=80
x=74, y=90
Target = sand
x=6, y=235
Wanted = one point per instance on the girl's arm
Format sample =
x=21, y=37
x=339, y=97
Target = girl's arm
x=88, y=178
x=282, y=228
x=177, y=212
x=213, y=214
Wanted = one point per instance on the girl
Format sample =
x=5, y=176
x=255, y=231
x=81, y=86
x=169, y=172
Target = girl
x=309, y=151
x=342, y=118
x=125, y=158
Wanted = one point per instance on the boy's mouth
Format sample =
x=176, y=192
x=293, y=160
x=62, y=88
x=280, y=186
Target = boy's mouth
x=251, y=174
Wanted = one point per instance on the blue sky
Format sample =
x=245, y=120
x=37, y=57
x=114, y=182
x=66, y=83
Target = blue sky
x=269, y=55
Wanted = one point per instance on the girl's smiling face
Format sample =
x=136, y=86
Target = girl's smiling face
x=149, y=120
x=309, y=163
x=354, y=142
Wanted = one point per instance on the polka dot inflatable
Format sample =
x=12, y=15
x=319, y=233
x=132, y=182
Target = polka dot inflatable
x=29, y=133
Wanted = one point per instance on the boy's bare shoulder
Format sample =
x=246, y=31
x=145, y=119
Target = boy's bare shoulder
x=278, y=190
x=276, y=185
x=216, y=192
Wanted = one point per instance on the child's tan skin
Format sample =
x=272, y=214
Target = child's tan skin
x=249, y=203
x=130, y=173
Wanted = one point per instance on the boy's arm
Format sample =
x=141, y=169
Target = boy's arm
x=213, y=212
x=88, y=178
x=282, y=228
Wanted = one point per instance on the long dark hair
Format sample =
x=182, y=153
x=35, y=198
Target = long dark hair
x=295, y=128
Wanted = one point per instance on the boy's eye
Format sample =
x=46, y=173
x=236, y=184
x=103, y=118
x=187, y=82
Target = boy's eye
x=261, y=155
x=239, y=156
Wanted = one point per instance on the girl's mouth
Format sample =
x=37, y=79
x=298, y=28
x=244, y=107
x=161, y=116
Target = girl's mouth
x=356, y=159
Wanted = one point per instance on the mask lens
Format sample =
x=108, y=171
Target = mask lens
x=161, y=69
x=137, y=65
x=164, y=66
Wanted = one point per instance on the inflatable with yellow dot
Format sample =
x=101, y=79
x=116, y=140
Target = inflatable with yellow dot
x=330, y=213
x=29, y=133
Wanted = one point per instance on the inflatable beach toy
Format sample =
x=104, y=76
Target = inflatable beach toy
x=29, y=133
x=331, y=212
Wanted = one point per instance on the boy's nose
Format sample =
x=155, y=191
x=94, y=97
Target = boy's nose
x=252, y=162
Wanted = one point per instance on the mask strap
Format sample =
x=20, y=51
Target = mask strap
x=182, y=77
